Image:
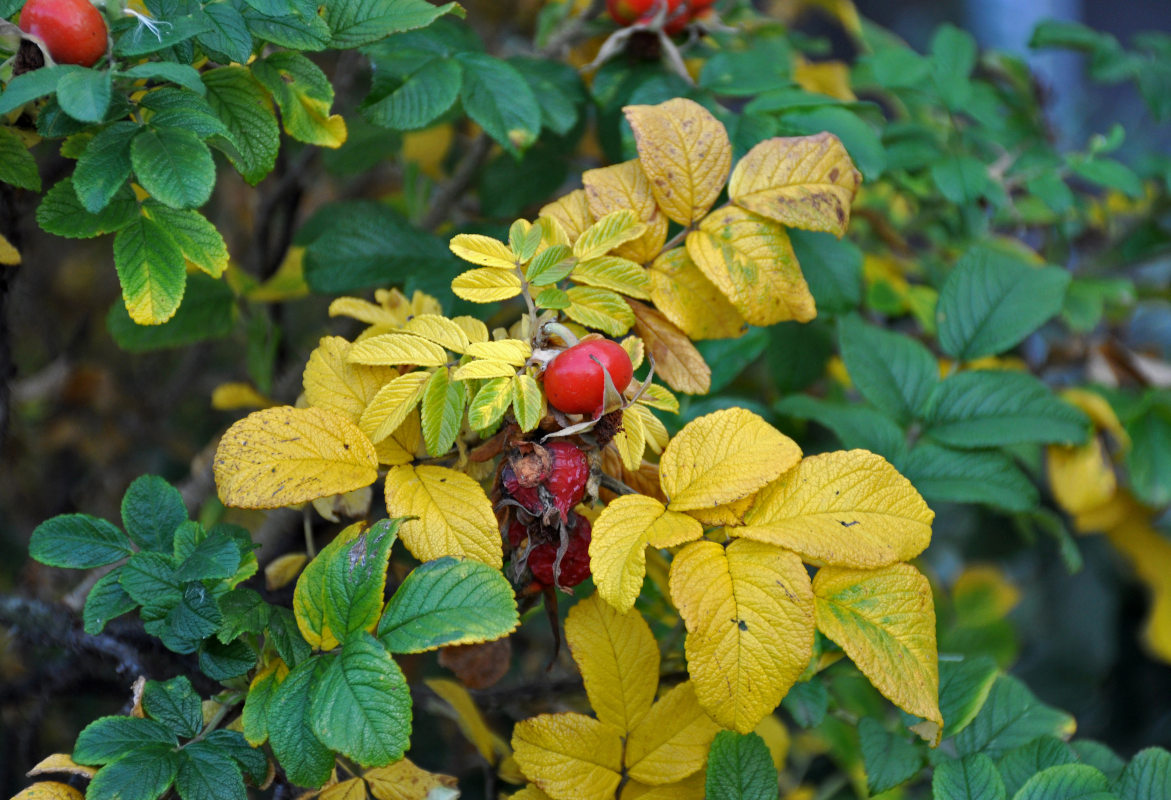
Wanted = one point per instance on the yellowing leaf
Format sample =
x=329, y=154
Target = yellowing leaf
x=233, y=396
x=750, y=259
x=726, y=515
x=9, y=255
x=530, y=792
x=483, y=250
x=528, y=402
x=486, y=285
x=49, y=790
x=685, y=153
x=600, y=309
x=453, y=515
x=572, y=213
x=1149, y=554
x=687, y=298
x=612, y=272
x=404, y=444
x=353, y=789
x=721, y=457
x=844, y=509
x=511, y=351
x=804, y=182
x=776, y=738
x=619, y=540
x=483, y=369
x=333, y=383
x=490, y=402
x=283, y=570
x=690, y=788
x=658, y=397
x=672, y=741
x=392, y=349
x=365, y=311
x=631, y=440
x=885, y=621
x=61, y=762
x=351, y=504
x=618, y=658
x=1082, y=477
x=635, y=349
x=438, y=329
x=654, y=431
x=825, y=77
x=391, y=405
x=607, y=233
x=284, y=456
x=468, y=717
x=474, y=329
x=570, y=756
x=676, y=360
x=749, y=615
x=625, y=186
x=403, y=780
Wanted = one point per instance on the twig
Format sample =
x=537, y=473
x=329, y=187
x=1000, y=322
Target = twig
x=35, y=619
x=465, y=172
x=572, y=29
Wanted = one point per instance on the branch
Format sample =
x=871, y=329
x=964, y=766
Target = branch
x=55, y=624
x=449, y=193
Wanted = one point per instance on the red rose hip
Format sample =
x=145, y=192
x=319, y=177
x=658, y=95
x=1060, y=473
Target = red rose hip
x=73, y=30
x=574, y=382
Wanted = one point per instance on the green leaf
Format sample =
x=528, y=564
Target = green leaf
x=208, y=312
x=991, y=302
x=358, y=22
x=1149, y=458
x=1069, y=36
x=17, y=165
x=964, y=685
x=62, y=214
x=855, y=425
x=1010, y=717
x=944, y=475
x=244, y=611
x=285, y=636
x=222, y=662
x=960, y=179
x=490, y=403
x=78, y=541
x=175, y=704
x=558, y=88
x=227, y=32
x=808, y=702
x=304, y=95
x=750, y=72
x=1147, y=776
x=141, y=39
x=728, y=358
x=149, y=578
x=953, y=56
x=104, y=166
x=989, y=408
x=973, y=777
x=832, y=267
x=740, y=768
x=1099, y=755
x=151, y=269
x=550, y=265
x=448, y=602
x=215, y=557
x=167, y=72
x=308, y=32
x=1067, y=782
x=419, y=100
x=108, y=739
x=144, y=774
x=174, y=166
x=1017, y=766
x=552, y=298
x=499, y=100
x=889, y=759
x=151, y=511
x=195, y=618
x=442, y=411
x=33, y=85
x=797, y=354
x=893, y=371
x=252, y=760
x=208, y=773
x=105, y=601
x=245, y=107
x=199, y=240
x=306, y=760
x=257, y=703
x=1103, y=171
x=85, y=94
x=361, y=706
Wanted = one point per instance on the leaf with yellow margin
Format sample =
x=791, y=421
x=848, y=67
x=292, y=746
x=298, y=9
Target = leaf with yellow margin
x=626, y=186
x=528, y=402
x=570, y=756
x=749, y=615
x=751, y=260
x=619, y=540
x=391, y=405
x=610, y=231
x=333, y=383
x=685, y=154
x=61, y=762
x=803, y=182
x=469, y=719
x=676, y=360
x=49, y=790
x=395, y=349
x=453, y=515
x=284, y=456
x=1082, y=477
x=510, y=351
x=403, y=780
x=600, y=309
x=672, y=741
x=483, y=250
x=486, y=285
x=722, y=457
x=845, y=509
x=490, y=402
x=572, y=213
x=690, y=788
x=438, y=329
x=885, y=621
x=352, y=789
x=686, y=297
x=611, y=272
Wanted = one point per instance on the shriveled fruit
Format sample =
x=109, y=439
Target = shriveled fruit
x=575, y=561
x=574, y=381
x=557, y=485
x=73, y=30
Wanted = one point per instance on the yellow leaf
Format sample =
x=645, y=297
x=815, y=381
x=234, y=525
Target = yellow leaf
x=453, y=515
x=388, y=409
x=685, y=153
x=393, y=349
x=404, y=444
x=482, y=370
x=283, y=570
x=690, y=788
x=634, y=348
x=284, y=456
x=625, y=186
x=631, y=439
x=612, y=230
x=618, y=658
x=287, y=283
x=600, y=309
x=483, y=250
x=658, y=397
x=845, y=509
x=468, y=717
x=351, y=504
x=403, y=780
x=749, y=615
x=572, y=213
x=1100, y=413
x=510, y=351
x=1082, y=477
x=486, y=285
x=672, y=740
x=611, y=272
x=776, y=738
x=333, y=383
x=619, y=540
x=804, y=182
x=983, y=594
x=353, y=789
x=570, y=756
x=825, y=77
x=61, y=762
x=233, y=396
x=676, y=360
x=690, y=300
x=885, y=621
x=49, y=790
x=365, y=311
x=654, y=431
x=530, y=792
x=1149, y=554
x=750, y=259
x=474, y=329
x=722, y=457
x=726, y=515
x=9, y=255
x=438, y=329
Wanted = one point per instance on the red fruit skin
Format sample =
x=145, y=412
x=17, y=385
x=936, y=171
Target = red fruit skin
x=527, y=496
x=575, y=564
x=574, y=382
x=628, y=12
x=73, y=30
x=571, y=472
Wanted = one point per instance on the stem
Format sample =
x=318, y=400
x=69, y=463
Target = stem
x=450, y=193
x=310, y=550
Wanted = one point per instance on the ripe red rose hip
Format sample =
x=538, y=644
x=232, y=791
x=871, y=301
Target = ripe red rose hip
x=574, y=382
x=72, y=30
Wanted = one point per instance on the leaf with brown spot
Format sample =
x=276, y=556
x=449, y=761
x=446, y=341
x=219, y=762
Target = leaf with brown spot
x=676, y=360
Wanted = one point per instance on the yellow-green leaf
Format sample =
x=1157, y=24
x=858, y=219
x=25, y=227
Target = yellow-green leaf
x=676, y=360
x=618, y=658
x=483, y=369
x=483, y=250
x=885, y=621
x=570, y=756
x=333, y=383
x=611, y=272
x=528, y=402
x=600, y=309
x=284, y=456
x=392, y=349
x=572, y=213
x=622, y=186
x=804, y=182
x=486, y=285
x=635, y=349
x=490, y=402
x=672, y=741
x=438, y=329
x=654, y=431
x=749, y=616
x=630, y=441
x=442, y=411
x=692, y=787
x=607, y=233
x=750, y=259
x=511, y=351
x=389, y=408
x=842, y=509
x=723, y=456
x=684, y=152
x=690, y=300
x=453, y=516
